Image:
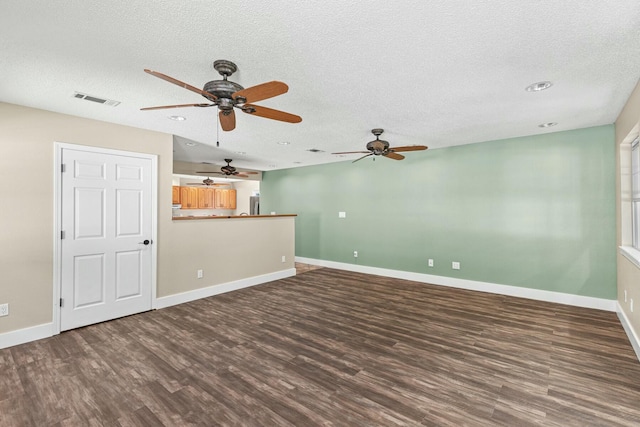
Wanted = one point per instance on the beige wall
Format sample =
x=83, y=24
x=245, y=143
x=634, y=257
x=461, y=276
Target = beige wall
x=628, y=273
x=27, y=139
x=226, y=250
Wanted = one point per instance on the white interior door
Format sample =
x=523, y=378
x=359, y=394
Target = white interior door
x=107, y=226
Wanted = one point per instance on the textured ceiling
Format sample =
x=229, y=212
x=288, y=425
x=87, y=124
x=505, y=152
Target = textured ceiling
x=437, y=73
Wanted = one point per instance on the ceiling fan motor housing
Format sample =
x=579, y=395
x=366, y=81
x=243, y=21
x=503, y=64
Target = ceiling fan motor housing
x=228, y=169
x=222, y=89
x=378, y=147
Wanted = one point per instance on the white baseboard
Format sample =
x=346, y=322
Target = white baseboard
x=494, y=288
x=631, y=333
x=209, y=291
x=25, y=335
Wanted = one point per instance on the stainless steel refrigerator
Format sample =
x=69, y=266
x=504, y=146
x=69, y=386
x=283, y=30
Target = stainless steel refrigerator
x=254, y=205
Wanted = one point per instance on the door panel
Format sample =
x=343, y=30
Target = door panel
x=128, y=211
x=88, y=280
x=106, y=216
x=89, y=213
x=128, y=274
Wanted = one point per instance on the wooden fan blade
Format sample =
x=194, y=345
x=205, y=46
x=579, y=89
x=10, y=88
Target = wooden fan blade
x=270, y=113
x=262, y=91
x=394, y=156
x=409, y=148
x=250, y=172
x=370, y=154
x=181, y=84
x=176, y=106
x=241, y=175
x=352, y=152
x=228, y=121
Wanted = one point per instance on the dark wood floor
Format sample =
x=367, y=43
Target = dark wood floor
x=331, y=348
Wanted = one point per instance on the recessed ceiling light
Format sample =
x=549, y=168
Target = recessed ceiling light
x=241, y=152
x=547, y=125
x=297, y=163
x=178, y=118
x=284, y=143
x=315, y=150
x=272, y=166
x=537, y=87
x=190, y=144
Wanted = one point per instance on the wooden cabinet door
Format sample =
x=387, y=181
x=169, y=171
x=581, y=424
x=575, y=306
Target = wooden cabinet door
x=193, y=197
x=232, y=199
x=176, y=195
x=222, y=196
x=225, y=198
x=206, y=198
x=189, y=197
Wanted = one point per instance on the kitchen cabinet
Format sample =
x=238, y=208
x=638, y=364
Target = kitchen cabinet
x=232, y=199
x=189, y=197
x=176, y=195
x=225, y=199
x=206, y=198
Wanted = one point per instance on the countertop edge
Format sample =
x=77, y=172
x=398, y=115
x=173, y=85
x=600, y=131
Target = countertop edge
x=190, y=218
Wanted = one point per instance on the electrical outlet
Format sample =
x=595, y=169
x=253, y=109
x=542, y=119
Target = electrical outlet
x=430, y=262
x=4, y=310
x=355, y=254
x=284, y=258
x=200, y=274
x=455, y=265
x=342, y=214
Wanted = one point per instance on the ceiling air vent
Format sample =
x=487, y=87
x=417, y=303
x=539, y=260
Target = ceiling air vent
x=109, y=102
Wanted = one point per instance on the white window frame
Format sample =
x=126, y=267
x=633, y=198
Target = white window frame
x=630, y=197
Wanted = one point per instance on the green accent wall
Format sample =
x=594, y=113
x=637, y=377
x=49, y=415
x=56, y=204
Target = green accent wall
x=535, y=212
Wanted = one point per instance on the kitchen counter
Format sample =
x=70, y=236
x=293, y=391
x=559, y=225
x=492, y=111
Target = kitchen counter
x=189, y=218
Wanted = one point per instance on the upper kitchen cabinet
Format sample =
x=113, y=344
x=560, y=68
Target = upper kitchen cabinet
x=189, y=197
x=176, y=195
x=225, y=199
x=232, y=199
x=206, y=198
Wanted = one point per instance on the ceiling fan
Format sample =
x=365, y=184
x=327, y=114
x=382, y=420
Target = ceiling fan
x=379, y=147
x=229, y=170
x=208, y=183
x=226, y=95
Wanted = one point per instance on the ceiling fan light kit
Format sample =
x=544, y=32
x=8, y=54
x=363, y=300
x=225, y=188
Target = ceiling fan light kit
x=227, y=95
x=379, y=147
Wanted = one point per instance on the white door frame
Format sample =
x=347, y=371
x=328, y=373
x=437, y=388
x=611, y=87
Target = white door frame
x=57, y=219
